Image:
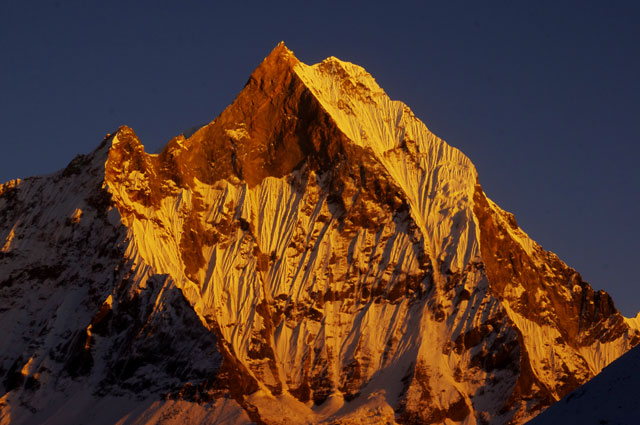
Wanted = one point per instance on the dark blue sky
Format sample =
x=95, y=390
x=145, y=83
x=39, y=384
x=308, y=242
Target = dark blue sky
x=544, y=97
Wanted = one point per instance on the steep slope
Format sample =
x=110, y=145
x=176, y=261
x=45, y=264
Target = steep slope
x=313, y=255
x=609, y=398
x=81, y=312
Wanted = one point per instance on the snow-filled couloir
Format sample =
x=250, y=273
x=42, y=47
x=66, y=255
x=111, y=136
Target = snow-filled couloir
x=313, y=255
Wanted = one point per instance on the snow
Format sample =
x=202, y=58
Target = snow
x=545, y=353
x=80, y=407
x=238, y=133
x=610, y=398
x=7, y=243
x=517, y=234
x=633, y=322
x=438, y=179
x=297, y=256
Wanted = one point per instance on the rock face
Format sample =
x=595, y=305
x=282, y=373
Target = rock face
x=314, y=255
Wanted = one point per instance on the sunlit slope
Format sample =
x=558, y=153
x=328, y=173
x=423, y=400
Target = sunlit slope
x=314, y=254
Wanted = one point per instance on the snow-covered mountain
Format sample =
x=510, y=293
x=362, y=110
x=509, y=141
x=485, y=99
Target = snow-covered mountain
x=314, y=255
x=610, y=398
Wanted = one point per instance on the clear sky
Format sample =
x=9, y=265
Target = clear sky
x=544, y=97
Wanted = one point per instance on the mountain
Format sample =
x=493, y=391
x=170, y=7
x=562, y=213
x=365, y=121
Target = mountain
x=313, y=255
x=609, y=398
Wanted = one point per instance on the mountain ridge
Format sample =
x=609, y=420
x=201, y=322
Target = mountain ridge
x=321, y=255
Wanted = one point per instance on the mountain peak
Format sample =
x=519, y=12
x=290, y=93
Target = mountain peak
x=270, y=129
x=125, y=145
x=319, y=254
x=283, y=47
x=280, y=54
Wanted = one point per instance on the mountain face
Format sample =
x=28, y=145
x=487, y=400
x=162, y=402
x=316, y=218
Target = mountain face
x=314, y=255
x=610, y=398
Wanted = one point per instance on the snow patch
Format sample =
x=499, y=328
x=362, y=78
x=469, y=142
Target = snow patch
x=237, y=133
